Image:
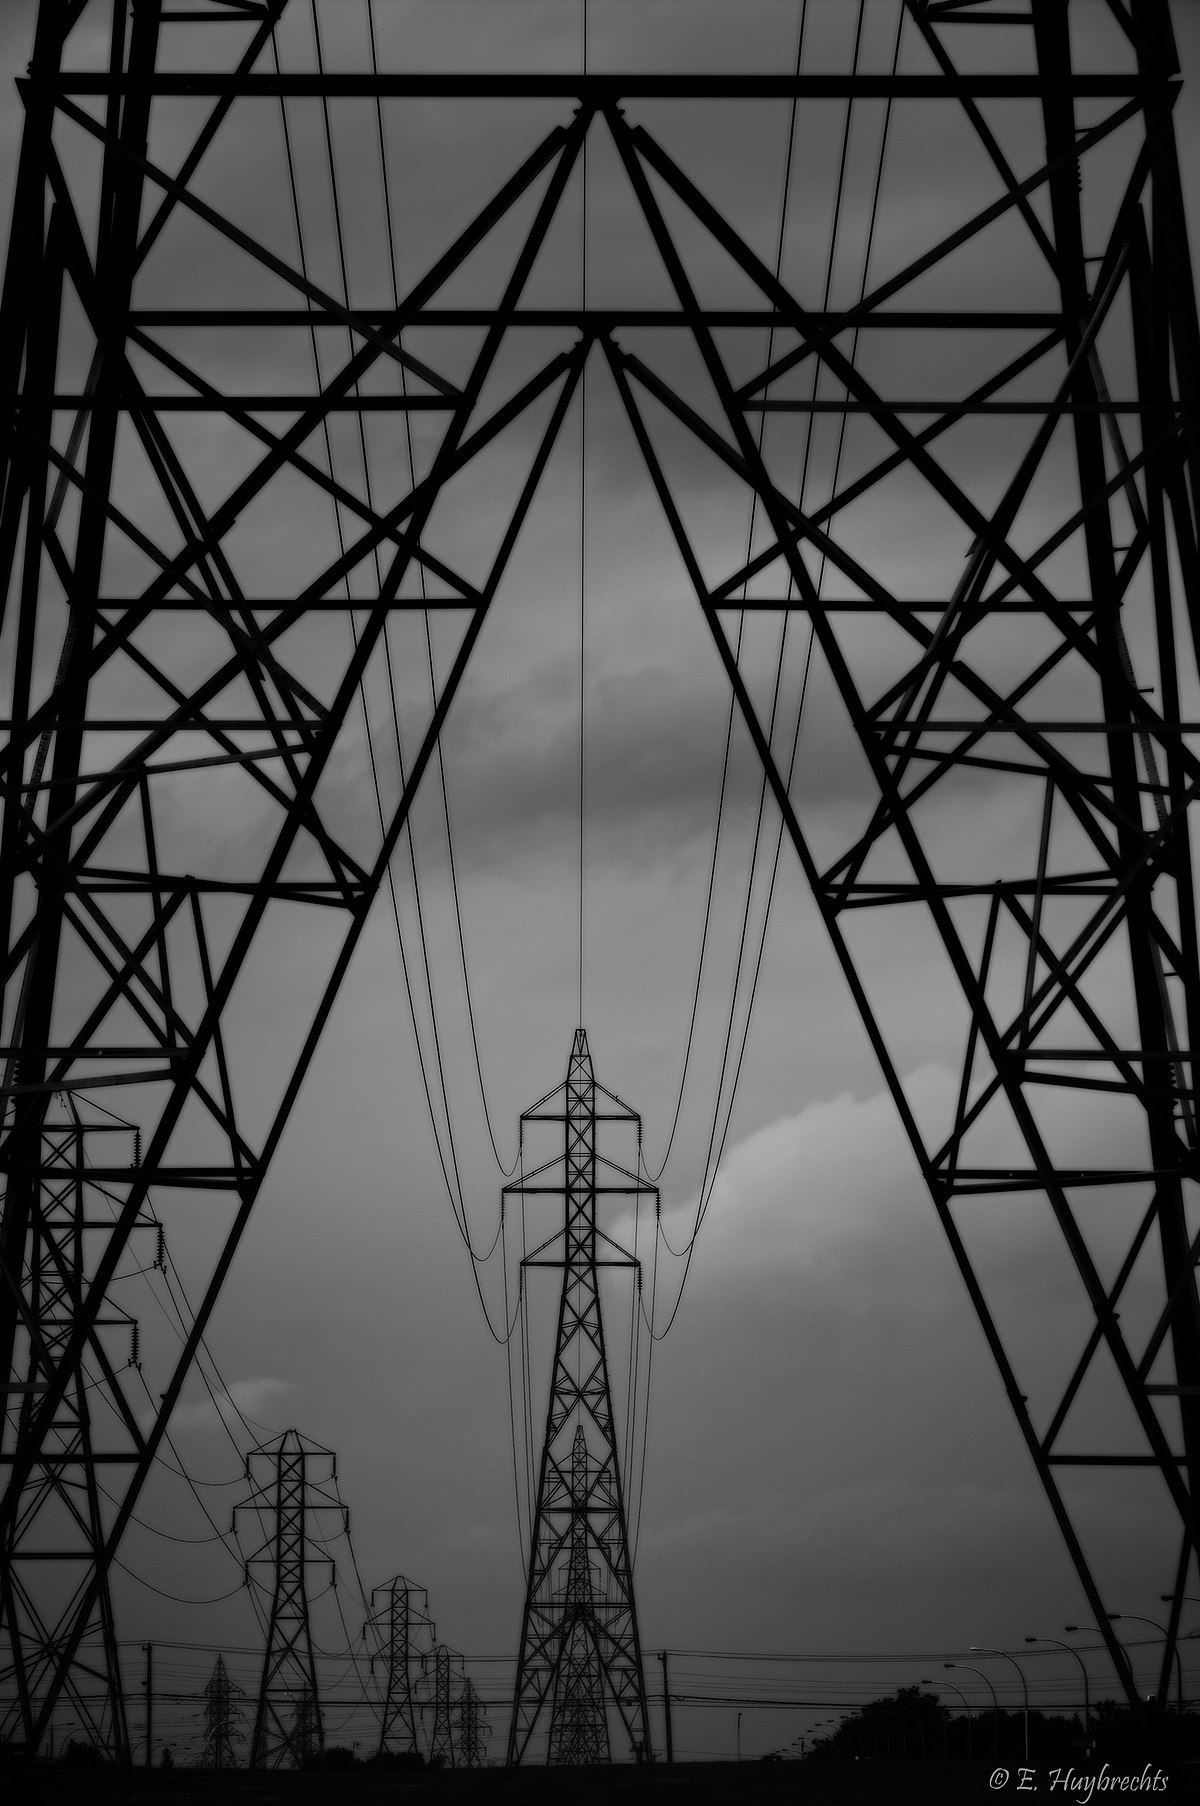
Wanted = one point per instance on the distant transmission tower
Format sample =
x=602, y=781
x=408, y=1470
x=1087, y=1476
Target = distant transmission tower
x=308, y=1733
x=222, y=1717
x=399, y=1614
x=579, y=1637
x=295, y=1486
x=442, y=1667
x=473, y=1728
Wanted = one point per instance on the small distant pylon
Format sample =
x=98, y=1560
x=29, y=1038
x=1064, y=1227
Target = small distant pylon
x=222, y=1718
x=473, y=1728
x=308, y=1737
x=441, y=1669
x=399, y=1616
x=580, y=1651
x=295, y=1487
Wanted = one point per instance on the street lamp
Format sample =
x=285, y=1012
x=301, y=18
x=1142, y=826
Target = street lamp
x=967, y=1668
x=1087, y=1704
x=916, y=1718
x=943, y=1716
x=966, y=1707
x=1126, y=1680
x=1162, y=1631
x=977, y=1650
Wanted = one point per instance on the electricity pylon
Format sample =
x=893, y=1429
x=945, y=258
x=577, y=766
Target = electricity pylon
x=579, y=1650
x=1046, y=318
x=294, y=1493
x=53, y=1549
x=398, y=1624
x=442, y=1679
x=222, y=1717
x=473, y=1727
x=578, y=1718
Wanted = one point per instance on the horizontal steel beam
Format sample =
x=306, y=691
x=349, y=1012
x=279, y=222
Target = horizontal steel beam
x=603, y=90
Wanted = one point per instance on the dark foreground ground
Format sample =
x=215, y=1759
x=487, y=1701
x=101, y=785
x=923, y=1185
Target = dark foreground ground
x=865, y=1783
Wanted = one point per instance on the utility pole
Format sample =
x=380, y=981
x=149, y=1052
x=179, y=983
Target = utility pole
x=579, y=1650
x=294, y=1489
x=667, y=1707
x=148, y=1684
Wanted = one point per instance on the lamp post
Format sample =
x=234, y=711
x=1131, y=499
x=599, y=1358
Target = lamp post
x=1185, y=1599
x=977, y=1650
x=967, y=1668
x=916, y=1718
x=943, y=1716
x=1087, y=1704
x=1070, y=1628
x=966, y=1707
x=1162, y=1631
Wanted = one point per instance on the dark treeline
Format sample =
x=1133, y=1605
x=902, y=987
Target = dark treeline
x=912, y=1725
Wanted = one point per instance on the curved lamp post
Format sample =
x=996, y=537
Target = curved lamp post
x=1131, y=1685
x=966, y=1707
x=943, y=1715
x=916, y=1718
x=967, y=1668
x=1087, y=1704
x=976, y=1649
x=1162, y=1631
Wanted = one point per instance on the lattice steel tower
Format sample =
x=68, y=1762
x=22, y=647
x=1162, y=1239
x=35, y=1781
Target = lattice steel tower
x=1017, y=373
x=222, y=1717
x=473, y=1727
x=442, y=1680
x=53, y=1549
x=579, y=1651
x=295, y=1491
x=399, y=1623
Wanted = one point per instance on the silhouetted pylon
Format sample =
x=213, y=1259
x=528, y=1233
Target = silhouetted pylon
x=222, y=1717
x=439, y=1675
x=399, y=1614
x=295, y=1484
x=473, y=1728
x=65, y=1504
x=579, y=1639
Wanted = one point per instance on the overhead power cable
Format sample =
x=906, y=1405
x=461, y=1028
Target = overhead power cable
x=717, y=1144
x=446, y=1149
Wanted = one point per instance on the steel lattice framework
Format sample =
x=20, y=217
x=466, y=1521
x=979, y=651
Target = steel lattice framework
x=579, y=1651
x=444, y=1686
x=52, y=1552
x=222, y=1716
x=293, y=1499
x=577, y=1711
x=399, y=1616
x=1039, y=655
x=473, y=1728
